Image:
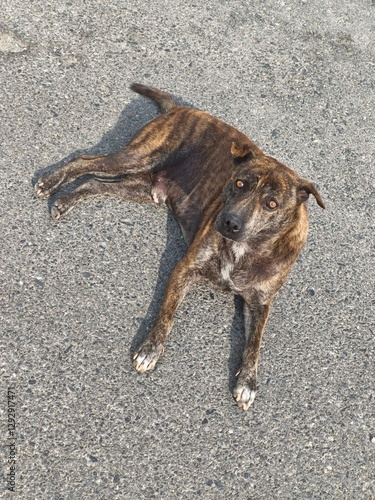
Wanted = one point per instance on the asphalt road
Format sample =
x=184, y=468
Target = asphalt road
x=298, y=78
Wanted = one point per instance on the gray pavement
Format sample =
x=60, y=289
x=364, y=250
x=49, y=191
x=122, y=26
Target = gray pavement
x=298, y=77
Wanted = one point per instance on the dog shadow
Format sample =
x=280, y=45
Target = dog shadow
x=134, y=116
x=173, y=252
x=237, y=337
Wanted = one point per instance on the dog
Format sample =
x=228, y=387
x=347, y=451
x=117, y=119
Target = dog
x=242, y=214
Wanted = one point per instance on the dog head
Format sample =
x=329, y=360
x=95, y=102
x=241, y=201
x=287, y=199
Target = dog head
x=262, y=198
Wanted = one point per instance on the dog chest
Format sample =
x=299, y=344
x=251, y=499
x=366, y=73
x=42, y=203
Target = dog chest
x=248, y=272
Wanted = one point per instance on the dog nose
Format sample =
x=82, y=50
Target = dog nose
x=232, y=224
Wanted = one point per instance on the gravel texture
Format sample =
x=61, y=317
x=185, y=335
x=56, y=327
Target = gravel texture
x=297, y=76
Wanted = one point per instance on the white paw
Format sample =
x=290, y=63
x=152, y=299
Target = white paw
x=244, y=395
x=147, y=357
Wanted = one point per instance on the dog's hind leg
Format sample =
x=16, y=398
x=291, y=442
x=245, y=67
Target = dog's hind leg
x=131, y=188
x=146, y=152
x=126, y=161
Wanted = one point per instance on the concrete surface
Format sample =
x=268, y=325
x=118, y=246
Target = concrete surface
x=296, y=76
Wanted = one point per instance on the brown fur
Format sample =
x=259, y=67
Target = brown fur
x=242, y=214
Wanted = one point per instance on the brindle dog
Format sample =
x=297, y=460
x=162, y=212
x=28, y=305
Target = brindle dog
x=242, y=213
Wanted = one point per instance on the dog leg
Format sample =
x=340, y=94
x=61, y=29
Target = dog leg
x=153, y=347
x=147, y=151
x=131, y=188
x=125, y=161
x=255, y=316
x=50, y=183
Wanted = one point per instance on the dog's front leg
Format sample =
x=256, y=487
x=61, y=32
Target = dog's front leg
x=255, y=319
x=153, y=347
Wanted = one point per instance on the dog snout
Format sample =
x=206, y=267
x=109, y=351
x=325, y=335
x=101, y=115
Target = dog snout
x=230, y=225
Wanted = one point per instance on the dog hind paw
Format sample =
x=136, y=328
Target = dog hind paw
x=46, y=186
x=40, y=190
x=56, y=211
x=60, y=208
x=147, y=357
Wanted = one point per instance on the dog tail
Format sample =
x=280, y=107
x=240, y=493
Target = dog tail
x=162, y=99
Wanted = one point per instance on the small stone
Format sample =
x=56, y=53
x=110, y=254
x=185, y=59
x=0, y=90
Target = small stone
x=69, y=60
x=219, y=485
x=10, y=43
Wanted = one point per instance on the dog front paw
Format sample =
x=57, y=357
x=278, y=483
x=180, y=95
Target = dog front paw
x=244, y=393
x=146, y=358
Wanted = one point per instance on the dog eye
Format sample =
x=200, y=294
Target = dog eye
x=271, y=204
x=239, y=184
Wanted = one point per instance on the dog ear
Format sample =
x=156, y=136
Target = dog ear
x=244, y=150
x=305, y=188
